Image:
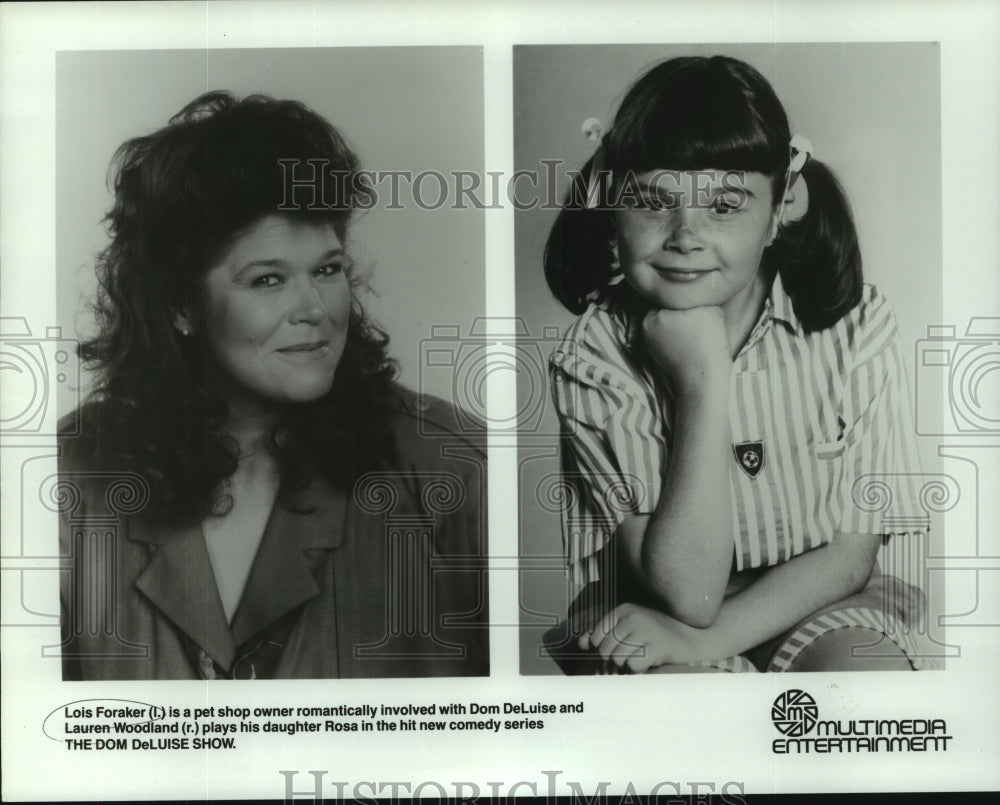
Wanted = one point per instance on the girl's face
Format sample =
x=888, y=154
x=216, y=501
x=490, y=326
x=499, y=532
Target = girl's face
x=274, y=315
x=695, y=238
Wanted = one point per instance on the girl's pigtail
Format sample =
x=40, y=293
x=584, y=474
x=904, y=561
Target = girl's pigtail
x=818, y=255
x=579, y=252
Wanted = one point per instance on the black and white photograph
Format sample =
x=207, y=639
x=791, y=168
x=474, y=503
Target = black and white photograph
x=710, y=288
x=249, y=489
x=740, y=485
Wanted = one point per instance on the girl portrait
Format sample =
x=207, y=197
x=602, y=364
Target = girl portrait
x=727, y=266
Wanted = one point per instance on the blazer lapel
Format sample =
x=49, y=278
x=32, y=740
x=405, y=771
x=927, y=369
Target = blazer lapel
x=282, y=575
x=180, y=582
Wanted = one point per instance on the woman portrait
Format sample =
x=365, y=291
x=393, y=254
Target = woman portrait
x=248, y=489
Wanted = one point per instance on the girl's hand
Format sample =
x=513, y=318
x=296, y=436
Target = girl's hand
x=638, y=638
x=691, y=346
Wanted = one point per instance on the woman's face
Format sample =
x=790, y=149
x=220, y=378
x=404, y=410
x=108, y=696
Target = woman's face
x=275, y=315
x=695, y=238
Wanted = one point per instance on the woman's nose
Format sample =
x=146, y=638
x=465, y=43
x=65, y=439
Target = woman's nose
x=309, y=306
x=682, y=235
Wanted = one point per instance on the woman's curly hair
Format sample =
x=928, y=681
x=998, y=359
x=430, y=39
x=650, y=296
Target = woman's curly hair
x=182, y=195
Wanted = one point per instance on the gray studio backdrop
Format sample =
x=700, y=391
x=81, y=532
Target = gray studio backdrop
x=407, y=108
x=872, y=112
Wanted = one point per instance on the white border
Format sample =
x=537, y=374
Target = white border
x=698, y=728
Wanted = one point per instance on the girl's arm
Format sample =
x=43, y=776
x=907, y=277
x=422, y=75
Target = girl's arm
x=879, y=444
x=682, y=552
x=790, y=592
x=642, y=638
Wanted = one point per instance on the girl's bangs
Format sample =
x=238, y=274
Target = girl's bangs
x=694, y=114
x=712, y=137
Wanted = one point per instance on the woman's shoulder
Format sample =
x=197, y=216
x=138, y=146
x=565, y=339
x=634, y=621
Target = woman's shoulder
x=79, y=434
x=423, y=425
x=93, y=477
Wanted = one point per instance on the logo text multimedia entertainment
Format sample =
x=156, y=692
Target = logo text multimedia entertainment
x=795, y=715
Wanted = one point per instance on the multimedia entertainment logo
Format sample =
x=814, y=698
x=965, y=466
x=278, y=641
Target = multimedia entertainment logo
x=795, y=715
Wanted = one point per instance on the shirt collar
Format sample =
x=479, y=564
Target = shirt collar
x=779, y=305
x=627, y=305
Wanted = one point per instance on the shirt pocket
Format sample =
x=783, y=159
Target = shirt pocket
x=829, y=447
x=832, y=446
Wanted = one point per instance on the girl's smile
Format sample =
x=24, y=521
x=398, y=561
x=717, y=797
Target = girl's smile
x=683, y=274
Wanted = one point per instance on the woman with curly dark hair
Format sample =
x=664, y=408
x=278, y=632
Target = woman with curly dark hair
x=245, y=434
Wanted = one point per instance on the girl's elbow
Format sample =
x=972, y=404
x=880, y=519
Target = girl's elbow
x=858, y=578
x=698, y=612
x=695, y=604
x=693, y=597
x=858, y=566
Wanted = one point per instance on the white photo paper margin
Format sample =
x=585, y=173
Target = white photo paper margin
x=686, y=735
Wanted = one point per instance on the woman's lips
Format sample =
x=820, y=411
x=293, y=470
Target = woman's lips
x=304, y=348
x=311, y=346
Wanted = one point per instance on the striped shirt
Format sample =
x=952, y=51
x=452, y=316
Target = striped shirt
x=822, y=431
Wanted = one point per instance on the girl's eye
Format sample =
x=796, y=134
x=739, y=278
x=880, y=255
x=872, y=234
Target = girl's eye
x=266, y=281
x=330, y=270
x=725, y=205
x=654, y=203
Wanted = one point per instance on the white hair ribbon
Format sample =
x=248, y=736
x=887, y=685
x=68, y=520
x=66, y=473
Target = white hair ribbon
x=594, y=131
x=801, y=149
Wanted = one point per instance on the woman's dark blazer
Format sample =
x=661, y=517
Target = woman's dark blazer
x=387, y=579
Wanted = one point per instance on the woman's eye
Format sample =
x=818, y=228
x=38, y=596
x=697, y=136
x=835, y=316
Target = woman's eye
x=266, y=281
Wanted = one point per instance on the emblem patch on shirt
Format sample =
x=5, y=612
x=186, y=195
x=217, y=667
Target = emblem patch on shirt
x=750, y=457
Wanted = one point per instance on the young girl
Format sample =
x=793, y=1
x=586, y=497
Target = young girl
x=728, y=391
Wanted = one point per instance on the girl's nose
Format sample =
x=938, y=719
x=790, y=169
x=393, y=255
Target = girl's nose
x=681, y=235
x=309, y=306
